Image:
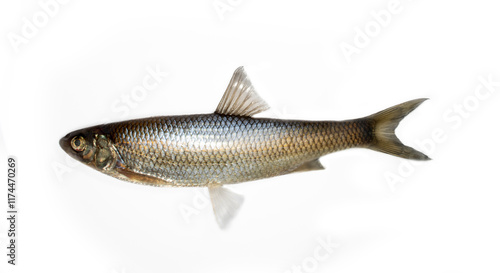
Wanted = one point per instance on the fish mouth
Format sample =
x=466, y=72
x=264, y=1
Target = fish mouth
x=64, y=143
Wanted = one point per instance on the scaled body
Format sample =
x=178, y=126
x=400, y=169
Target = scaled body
x=198, y=150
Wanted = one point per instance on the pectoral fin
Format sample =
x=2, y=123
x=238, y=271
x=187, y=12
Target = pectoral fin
x=225, y=204
x=139, y=178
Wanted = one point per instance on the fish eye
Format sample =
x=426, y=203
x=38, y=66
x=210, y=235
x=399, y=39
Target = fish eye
x=78, y=143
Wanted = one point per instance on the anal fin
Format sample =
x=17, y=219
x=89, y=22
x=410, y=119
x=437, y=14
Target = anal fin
x=225, y=204
x=312, y=165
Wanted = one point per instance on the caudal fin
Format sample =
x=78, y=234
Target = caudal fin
x=385, y=123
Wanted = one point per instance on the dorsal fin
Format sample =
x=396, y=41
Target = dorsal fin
x=240, y=98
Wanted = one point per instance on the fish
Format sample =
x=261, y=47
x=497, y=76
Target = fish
x=229, y=146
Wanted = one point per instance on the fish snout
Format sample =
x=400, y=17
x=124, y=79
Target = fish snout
x=64, y=142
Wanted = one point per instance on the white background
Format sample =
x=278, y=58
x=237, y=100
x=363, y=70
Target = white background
x=383, y=213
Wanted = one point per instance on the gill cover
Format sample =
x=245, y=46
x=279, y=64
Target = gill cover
x=106, y=155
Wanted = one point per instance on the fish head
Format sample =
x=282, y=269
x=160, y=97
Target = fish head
x=92, y=147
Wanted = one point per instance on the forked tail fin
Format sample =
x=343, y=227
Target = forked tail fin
x=385, y=123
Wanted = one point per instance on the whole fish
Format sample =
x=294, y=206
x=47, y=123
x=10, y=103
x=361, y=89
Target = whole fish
x=229, y=146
